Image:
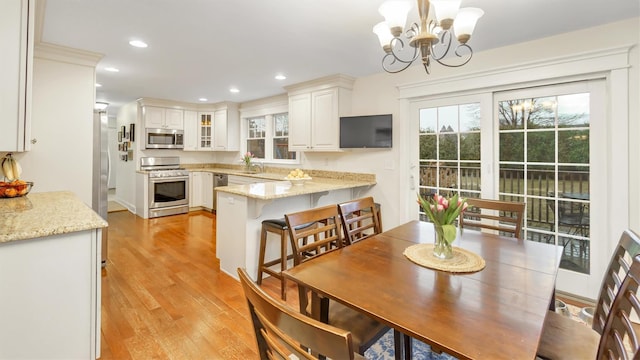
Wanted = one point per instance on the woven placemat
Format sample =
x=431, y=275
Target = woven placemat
x=463, y=261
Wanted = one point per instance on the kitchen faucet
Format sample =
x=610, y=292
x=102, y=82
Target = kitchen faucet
x=260, y=165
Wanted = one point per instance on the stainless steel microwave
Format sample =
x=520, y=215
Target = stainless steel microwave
x=164, y=138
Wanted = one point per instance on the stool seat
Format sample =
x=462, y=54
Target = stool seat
x=276, y=222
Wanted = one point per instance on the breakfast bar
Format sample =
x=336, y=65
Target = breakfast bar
x=242, y=208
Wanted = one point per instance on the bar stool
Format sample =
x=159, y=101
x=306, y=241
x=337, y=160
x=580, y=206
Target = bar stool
x=278, y=227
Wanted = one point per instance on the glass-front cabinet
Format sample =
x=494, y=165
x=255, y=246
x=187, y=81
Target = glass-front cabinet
x=205, y=135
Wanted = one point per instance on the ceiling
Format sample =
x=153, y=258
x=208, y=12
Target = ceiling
x=202, y=48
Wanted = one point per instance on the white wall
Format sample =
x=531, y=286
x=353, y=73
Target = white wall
x=62, y=124
x=379, y=94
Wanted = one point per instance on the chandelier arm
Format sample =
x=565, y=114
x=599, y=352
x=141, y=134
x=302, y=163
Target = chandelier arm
x=468, y=56
x=396, y=49
x=445, y=41
x=393, y=61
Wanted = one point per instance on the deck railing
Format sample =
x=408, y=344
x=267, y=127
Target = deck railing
x=570, y=199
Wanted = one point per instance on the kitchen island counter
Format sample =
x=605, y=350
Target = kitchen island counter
x=280, y=189
x=44, y=214
x=242, y=208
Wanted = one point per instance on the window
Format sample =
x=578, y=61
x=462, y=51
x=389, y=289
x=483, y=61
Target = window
x=268, y=138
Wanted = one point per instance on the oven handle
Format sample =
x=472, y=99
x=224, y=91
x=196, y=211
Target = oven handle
x=167, y=179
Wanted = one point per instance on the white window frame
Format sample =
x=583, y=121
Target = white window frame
x=267, y=111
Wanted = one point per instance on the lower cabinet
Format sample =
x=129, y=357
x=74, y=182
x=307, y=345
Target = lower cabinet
x=50, y=297
x=201, y=189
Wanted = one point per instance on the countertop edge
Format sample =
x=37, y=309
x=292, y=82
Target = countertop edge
x=46, y=214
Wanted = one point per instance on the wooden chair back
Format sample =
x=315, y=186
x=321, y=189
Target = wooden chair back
x=619, y=339
x=502, y=216
x=359, y=219
x=310, y=241
x=628, y=247
x=282, y=332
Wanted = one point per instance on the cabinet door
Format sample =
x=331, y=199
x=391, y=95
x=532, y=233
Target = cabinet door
x=190, y=130
x=153, y=117
x=220, y=141
x=174, y=119
x=195, y=189
x=16, y=42
x=325, y=120
x=207, y=190
x=300, y=122
x=204, y=131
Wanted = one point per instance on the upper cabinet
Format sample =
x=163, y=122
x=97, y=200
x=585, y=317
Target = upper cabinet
x=204, y=127
x=214, y=128
x=16, y=42
x=315, y=108
x=226, y=132
x=190, y=130
x=163, y=118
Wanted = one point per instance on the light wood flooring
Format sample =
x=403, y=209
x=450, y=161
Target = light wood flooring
x=164, y=296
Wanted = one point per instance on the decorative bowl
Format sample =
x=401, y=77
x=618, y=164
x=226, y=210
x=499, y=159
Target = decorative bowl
x=299, y=181
x=15, y=188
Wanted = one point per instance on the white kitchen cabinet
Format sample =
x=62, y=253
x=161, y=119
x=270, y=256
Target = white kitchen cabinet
x=163, y=118
x=226, y=131
x=190, y=130
x=16, y=41
x=205, y=131
x=314, y=113
x=201, y=189
x=195, y=189
x=207, y=190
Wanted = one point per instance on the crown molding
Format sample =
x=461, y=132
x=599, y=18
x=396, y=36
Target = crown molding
x=66, y=54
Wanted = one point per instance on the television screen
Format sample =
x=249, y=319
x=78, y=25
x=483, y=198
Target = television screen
x=367, y=131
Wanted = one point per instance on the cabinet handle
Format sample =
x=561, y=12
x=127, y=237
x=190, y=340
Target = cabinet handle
x=34, y=140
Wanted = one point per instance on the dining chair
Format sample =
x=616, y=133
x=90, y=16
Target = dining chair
x=619, y=336
x=502, y=216
x=360, y=219
x=560, y=332
x=308, y=243
x=283, y=333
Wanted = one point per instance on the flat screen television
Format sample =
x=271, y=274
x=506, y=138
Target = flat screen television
x=366, y=131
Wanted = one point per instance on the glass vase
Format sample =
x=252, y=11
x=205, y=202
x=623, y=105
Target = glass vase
x=248, y=168
x=442, y=249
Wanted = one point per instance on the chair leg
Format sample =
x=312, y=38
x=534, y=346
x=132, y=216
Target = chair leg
x=283, y=264
x=263, y=245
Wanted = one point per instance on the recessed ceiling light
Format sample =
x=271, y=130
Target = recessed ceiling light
x=111, y=69
x=98, y=85
x=280, y=77
x=203, y=99
x=100, y=105
x=138, y=43
x=234, y=90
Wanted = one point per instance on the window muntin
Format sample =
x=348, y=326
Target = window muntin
x=267, y=138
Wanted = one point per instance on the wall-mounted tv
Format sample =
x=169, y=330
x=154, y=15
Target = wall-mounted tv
x=366, y=131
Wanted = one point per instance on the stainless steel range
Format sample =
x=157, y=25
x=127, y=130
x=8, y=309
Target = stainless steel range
x=168, y=186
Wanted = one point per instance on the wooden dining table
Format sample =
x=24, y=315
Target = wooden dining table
x=495, y=313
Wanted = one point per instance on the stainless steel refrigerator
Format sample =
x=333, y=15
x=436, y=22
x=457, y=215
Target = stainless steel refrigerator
x=101, y=172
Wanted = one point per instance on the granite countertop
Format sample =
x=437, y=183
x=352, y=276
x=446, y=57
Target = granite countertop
x=44, y=214
x=281, y=189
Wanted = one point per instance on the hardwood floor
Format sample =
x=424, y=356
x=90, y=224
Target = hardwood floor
x=164, y=296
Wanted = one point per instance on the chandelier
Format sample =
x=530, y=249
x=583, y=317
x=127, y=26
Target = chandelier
x=433, y=38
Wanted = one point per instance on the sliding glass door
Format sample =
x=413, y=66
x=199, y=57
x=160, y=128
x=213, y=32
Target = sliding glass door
x=537, y=145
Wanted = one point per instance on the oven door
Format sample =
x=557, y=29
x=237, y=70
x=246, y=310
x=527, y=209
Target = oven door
x=169, y=191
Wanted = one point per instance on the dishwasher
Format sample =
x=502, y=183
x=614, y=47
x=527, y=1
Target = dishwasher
x=218, y=180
